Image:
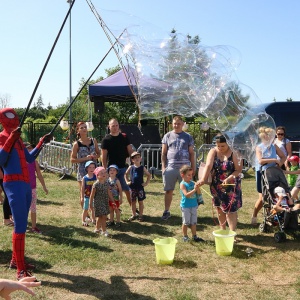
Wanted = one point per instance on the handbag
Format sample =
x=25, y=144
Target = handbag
x=201, y=172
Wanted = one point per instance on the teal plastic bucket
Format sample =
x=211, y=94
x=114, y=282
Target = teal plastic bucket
x=224, y=240
x=165, y=250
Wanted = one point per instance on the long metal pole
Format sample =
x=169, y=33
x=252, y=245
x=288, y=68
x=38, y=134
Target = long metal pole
x=70, y=75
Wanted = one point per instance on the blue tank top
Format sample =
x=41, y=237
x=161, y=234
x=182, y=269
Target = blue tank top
x=188, y=202
x=267, y=152
x=136, y=176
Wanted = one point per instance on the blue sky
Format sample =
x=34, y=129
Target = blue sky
x=265, y=32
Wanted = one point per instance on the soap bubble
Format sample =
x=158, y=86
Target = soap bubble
x=174, y=74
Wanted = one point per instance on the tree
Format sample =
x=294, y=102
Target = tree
x=4, y=100
x=40, y=103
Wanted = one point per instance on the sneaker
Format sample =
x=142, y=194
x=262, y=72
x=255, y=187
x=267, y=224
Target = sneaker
x=36, y=230
x=13, y=265
x=97, y=230
x=186, y=239
x=22, y=274
x=132, y=218
x=106, y=233
x=254, y=221
x=110, y=223
x=197, y=239
x=166, y=215
x=118, y=224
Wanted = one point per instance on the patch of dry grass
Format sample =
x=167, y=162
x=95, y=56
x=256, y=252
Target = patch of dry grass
x=74, y=263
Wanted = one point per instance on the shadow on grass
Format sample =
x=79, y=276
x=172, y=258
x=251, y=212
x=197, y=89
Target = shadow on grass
x=46, y=202
x=66, y=236
x=87, y=285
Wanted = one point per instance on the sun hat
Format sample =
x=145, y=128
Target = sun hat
x=294, y=158
x=280, y=191
x=98, y=170
x=135, y=153
x=88, y=163
x=113, y=166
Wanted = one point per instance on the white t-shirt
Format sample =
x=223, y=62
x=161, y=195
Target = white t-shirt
x=282, y=145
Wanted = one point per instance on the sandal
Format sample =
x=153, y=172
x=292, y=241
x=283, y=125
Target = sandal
x=97, y=230
x=141, y=219
x=132, y=218
x=85, y=224
x=9, y=224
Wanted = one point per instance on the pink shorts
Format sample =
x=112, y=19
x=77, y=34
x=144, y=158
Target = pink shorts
x=33, y=201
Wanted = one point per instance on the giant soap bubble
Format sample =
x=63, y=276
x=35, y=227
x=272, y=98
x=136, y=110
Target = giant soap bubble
x=175, y=74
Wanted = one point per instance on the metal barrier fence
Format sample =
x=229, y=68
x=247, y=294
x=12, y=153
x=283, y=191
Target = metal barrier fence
x=55, y=157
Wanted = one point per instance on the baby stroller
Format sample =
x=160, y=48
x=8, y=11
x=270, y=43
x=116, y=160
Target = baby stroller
x=272, y=178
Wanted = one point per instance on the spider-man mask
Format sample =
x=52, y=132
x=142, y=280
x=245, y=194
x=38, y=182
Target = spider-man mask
x=9, y=119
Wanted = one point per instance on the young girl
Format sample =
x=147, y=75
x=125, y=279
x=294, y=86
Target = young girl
x=99, y=197
x=116, y=190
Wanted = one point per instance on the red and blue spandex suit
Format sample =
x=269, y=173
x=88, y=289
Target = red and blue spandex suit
x=13, y=159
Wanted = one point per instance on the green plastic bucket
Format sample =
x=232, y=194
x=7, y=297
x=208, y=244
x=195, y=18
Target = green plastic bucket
x=224, y=240
x=165, y=250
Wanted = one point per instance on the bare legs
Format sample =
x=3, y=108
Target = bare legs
x=229, y=218
x=168, y=199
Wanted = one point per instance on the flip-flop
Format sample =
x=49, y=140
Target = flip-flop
x=10, y=224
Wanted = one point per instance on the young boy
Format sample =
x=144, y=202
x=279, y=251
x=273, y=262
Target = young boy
x=189, y=191
x=292, y=178
x=116, y=190
x=134, y=177
x=86, y=188
x=283, y=201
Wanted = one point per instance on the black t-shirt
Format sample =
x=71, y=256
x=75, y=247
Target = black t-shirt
x=116, y=147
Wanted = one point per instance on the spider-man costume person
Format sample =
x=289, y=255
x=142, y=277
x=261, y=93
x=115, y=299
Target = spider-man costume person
x=13, y=158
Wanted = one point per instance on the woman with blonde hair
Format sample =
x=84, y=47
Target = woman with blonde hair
x=267, y=155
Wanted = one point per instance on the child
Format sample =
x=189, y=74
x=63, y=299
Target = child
x=283, y=201
x=189, y=191
x=86, y=187
x=99, y=197
x=292, y=178
x=116, y=190
x=34, y=170
x=134, y=177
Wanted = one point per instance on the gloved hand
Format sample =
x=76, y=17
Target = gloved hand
x=13, y=137
x=44, y=140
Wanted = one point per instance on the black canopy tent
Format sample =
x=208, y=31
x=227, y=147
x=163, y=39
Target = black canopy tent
x=118, y=88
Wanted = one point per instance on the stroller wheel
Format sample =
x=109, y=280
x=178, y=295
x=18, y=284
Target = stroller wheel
x=279, y=237
x=264, y=227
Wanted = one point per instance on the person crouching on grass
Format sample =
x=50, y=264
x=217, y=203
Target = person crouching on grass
x=189, y=205
x=134, y=177
x=99, y=197
x=86, y=188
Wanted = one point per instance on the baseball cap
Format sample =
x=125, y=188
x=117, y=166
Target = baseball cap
x=135, y=153
x=293, y=158
x=88, y=163
x=280, y=191
x=113, y=166
x=98, y=170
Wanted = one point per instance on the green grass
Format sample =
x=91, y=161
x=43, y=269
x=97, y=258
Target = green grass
x=74, y=263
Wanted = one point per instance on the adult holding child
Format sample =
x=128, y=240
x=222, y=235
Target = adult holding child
x=177, y=151
x=115, y=148
x=225, y=167
x=84, y=149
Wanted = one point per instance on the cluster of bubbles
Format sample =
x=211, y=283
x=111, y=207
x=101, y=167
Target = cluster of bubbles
x=176, y=75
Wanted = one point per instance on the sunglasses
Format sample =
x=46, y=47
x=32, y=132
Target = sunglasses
x=280, y=133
